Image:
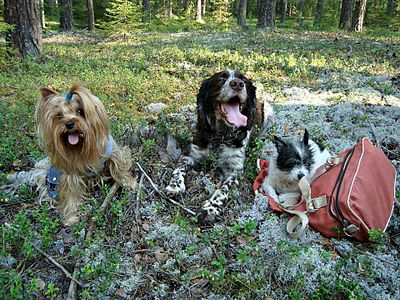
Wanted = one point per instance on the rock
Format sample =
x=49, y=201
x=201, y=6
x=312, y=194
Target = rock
x=381, y=78
x=391, y=100
x=40, y=284
x=121, y=293
x=155, y=107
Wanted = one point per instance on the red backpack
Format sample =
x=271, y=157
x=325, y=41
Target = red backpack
x=350, y=195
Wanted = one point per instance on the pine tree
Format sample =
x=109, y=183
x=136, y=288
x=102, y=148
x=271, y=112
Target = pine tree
x=124, y=17
x=221, y=11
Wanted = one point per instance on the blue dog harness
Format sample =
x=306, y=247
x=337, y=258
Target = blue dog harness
x=54, y=174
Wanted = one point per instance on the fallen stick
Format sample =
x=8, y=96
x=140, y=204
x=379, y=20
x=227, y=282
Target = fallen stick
x=53, y=261
x=378, y=144
x=163, y=195
x=72, y=285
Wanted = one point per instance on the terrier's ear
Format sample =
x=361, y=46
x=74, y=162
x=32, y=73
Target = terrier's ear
x=279, y=143
x=306, y=137
x=46, y=93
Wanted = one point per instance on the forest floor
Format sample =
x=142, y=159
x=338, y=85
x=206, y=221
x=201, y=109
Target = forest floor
x=340, y=87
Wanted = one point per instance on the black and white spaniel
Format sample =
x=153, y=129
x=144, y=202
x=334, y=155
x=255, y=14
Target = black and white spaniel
x=227, y=111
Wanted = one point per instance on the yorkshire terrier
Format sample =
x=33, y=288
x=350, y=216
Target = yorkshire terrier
x=74, y=131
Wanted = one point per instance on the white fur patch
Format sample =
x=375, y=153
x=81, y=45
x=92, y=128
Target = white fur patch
x=281, y=182
x=227, y=92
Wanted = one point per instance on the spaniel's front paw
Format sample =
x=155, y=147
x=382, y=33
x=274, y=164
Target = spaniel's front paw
x=176, y=184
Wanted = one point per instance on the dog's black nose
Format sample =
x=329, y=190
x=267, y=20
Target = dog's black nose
x=300, y=176
x=236, y=84
x=70, y=124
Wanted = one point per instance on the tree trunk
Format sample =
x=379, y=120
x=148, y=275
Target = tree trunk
x=390, y=8
x=90, y=15
x=241, y=17
x=42, y=21
x=65, y=15
x=198, y=12
x=178, y=7
x=52, y=4
x=283, y=10
x=26, y=36
x=266, y=17
x=186, y=6
x=204, y=7
x=300, y=8
x=358, y=15
x=146, y=11
x=319, y=13
x=169, y=8
x=345, y=14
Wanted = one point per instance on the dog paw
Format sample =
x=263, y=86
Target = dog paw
x=131, y=184
x=71, y=220
x=209, y=214
x=212, y=208
x=176, y=185
x=174, y=189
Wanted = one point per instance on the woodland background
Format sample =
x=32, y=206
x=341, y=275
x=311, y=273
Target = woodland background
x=123, y=17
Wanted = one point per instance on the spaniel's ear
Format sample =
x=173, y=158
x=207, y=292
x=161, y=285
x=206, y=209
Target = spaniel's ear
x=202, y=115
x=250, y=107
x=251, y=89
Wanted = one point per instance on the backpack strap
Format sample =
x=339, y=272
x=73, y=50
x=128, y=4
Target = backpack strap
x=300, y=217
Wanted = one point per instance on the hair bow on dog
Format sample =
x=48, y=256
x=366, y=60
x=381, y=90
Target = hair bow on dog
x=68, y=97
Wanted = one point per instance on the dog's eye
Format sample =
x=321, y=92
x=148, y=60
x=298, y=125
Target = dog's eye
x=60, y=115
x=80, y=112
x=221, y=80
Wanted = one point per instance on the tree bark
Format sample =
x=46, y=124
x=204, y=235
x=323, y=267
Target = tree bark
x=146, y=9
x=345, y=14
x=284, y=4
x=319, y=13
x=266, y=14
x=26, y=36
x=390, y=8
x=198, y=12
x=66, y=20
x=358, y=15
x=90, y=15
x=241, y=17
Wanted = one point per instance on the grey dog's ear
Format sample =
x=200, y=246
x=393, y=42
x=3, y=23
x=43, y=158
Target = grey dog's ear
x=306, y=137
x=46, y=93
x=279, y=143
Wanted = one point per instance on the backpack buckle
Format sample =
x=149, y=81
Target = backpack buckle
x=351, y=230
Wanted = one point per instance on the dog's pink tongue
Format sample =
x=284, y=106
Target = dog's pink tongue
x=73, y=139
x=234, y=116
